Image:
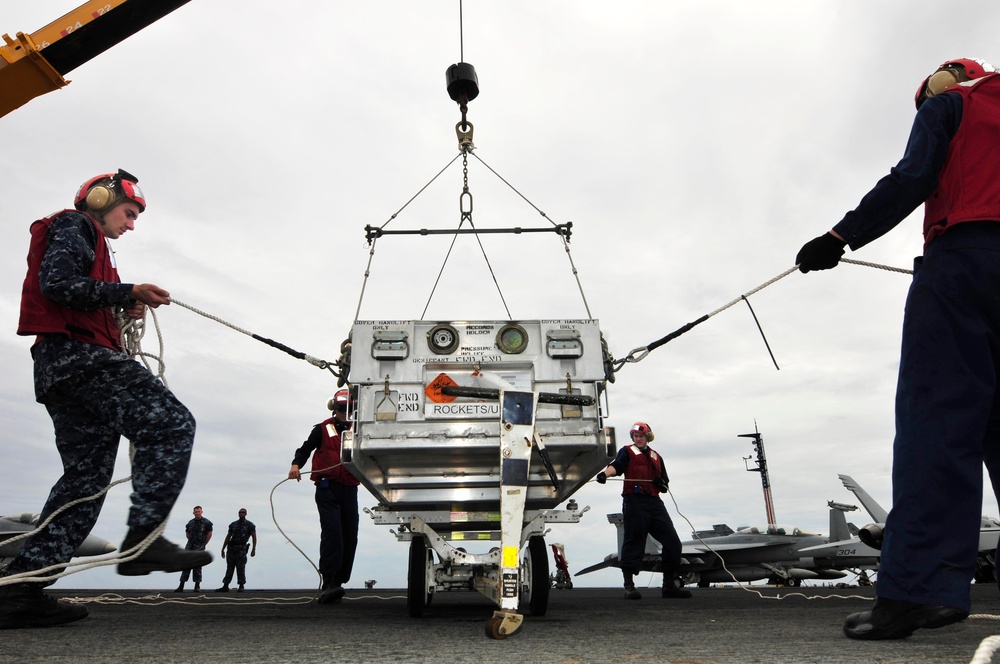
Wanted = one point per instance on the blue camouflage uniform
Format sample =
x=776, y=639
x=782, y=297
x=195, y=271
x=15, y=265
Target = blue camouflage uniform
x=197, y=531
x=95, y=395
x=240, y=532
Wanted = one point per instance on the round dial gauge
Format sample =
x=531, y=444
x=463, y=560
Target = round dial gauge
x=443, y=339
x=512, y=338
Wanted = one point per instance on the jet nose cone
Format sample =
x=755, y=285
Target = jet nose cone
x=95, y=546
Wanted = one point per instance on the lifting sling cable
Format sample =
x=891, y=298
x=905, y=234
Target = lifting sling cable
x=563, y=230
x=563, y=236
x=640, y=353
x=454, y=238
x=373, y=237
x=465, y=198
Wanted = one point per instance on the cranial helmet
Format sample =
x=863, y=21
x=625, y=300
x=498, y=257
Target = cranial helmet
x=339, y=402
x=642, y=427
x=102, y=192
x=951, y=73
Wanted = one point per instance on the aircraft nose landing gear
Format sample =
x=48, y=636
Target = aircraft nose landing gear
x=504, y=623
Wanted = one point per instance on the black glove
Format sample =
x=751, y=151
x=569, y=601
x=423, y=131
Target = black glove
x=660, y=484
x=602, y=477
x=823, y=253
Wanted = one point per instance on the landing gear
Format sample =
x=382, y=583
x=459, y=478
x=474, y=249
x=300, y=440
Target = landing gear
x=421, y=560
x=535, y=582
x=986, y=571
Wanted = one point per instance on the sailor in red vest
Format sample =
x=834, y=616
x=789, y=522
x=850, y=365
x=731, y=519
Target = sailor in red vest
x=95, y=394
x=947, y=402
x=336, y=498
x=644, y=514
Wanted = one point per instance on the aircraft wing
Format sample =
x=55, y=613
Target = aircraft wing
x=988, y=539
x=16, y=524
x=611, y=560
x=697, y=548
x=842, y=549
x=876, y=511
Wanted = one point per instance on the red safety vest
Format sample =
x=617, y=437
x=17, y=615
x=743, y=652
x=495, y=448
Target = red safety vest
x=967, y=189
x=327, y=456
x=645, y=467
x=40, y=315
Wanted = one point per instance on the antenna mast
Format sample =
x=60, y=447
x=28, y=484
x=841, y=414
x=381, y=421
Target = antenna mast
x=758, y=445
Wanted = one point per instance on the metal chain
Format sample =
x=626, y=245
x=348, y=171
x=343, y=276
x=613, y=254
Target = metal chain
x=465, y=206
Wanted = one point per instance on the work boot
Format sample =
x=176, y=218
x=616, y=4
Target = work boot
x=25, y=605
x=240, y=589
x=180, y=588
x=197, y=587
x=896, y=619
x=160, y=556
x=673, y=588
x=223, y=589
x=332, y=591
x=630, y=591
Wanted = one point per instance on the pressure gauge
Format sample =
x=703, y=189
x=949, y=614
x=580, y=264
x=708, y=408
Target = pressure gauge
x=512, y=339
x=443, y=339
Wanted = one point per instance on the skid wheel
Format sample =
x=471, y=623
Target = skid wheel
x=493, y=629
x=504, y=623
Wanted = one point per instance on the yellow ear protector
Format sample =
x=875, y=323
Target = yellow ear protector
x=102, y=192
x=102, y=196
x=941, y=80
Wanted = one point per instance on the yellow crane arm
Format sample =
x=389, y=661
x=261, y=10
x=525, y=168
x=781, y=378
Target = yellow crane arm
x=31, y=65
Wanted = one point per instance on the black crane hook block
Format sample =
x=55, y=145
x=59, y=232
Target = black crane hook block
x=463, y=84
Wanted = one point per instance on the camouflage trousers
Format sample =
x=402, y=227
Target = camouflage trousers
x=236, y=561
x=195, y=572
x=90, y=413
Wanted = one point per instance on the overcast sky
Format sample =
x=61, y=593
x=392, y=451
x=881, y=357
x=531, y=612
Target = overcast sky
x=695, y=147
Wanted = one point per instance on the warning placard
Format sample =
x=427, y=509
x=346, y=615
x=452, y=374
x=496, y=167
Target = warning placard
x=433, y=389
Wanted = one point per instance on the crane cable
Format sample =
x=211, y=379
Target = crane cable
x=463, y=87
x=638, y=354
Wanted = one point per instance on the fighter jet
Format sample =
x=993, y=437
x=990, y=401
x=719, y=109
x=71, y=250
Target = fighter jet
x=13, y=525
x=786, y=555
x=989, y=531
x=780, y=554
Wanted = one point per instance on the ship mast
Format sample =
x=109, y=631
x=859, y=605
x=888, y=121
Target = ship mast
x=758, y=445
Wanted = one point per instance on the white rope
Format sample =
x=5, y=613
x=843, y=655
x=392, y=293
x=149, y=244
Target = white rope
x=131, y=332
x=984, y=653
x=877, y=266
x=211, y=317
x=749, y=589
x=274, y=518
x=988, y=646
x=751, y=292
x=202, y=600
x=63, y=569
